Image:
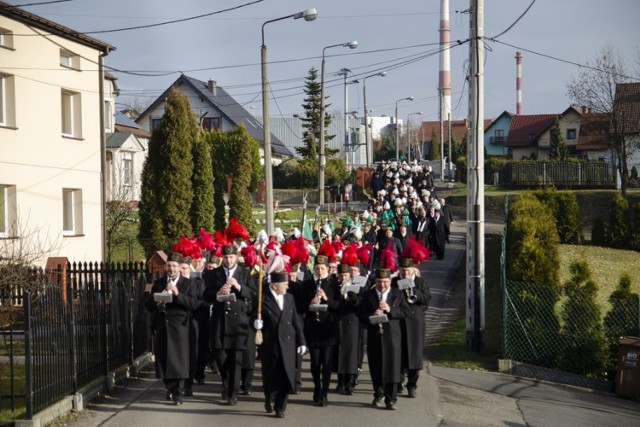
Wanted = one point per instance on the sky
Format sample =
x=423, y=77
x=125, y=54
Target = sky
x=399, y=37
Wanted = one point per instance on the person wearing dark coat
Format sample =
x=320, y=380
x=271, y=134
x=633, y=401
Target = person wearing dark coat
x=230, y=330
x=413, y=326
x=438, y=234
x=445, y=211
x=172, y=327
x=321, y=328
x=384, y=339
x=195, y=281
x=282, y=340
x=396, y=245
x=377, y=183
x=422, y=227
x=402, y=234
x=350, y=337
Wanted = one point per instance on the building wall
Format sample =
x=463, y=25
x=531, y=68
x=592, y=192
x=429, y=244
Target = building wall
x=36, y=158
x=493, y=147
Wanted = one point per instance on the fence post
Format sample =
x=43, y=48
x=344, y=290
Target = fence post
x=105, y=350
x=28, y=392
x=72, y=341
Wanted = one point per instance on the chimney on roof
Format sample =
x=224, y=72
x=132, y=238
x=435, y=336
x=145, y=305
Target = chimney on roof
x=518, y=83
x=213, y=87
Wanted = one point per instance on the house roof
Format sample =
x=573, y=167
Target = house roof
x=594, y=131
x=125, y=124
x=494, y=121
x=525, y=130
x=627, y=101
x=117, y=140
x=31, y=19
x=229, y=107
x=458, y=129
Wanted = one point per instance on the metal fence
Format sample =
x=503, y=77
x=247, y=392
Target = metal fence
x=558, y=174
x=58, y=339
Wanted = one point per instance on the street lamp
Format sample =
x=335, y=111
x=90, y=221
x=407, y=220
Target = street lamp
x=366, y=115
x=409, y=98
x=321, y=165
x=417, y=113
x=307, y=15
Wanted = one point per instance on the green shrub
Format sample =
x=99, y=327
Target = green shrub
x=493, y=165
x=634, y=227
x=618, y=225
x=598, y=233
x=582, y=338
x=461, y=169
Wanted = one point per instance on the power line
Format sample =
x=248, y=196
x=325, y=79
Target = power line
x=40, y=3
x=516, y=21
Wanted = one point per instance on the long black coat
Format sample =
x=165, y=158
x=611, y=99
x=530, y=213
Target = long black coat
x=230, y=328
x=350, y=336
x=322, y=330
x=413, y=326
x=438, y=232
x=281, y=335
x=384, y=350
x=422, y=236
x=173, y=328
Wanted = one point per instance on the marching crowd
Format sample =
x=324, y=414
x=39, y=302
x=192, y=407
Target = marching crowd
x=227, y=300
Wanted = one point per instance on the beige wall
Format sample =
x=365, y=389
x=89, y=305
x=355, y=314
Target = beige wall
x=36, y=158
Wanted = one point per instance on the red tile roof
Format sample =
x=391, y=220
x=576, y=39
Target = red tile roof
x=458, y=129
x=594, y=131
x=627, y=103
x=526, y=129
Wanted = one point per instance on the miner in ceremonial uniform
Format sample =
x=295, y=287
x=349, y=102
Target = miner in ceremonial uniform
x=230, y=288
x=381, y=309
x=350, y=336
x=282, y=340
x=413, y=326
x=172, y=324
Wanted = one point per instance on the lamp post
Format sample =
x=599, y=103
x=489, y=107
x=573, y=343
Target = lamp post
x=409, y=98
x=366, y=116
x=321, y=164
x=417, y=113
x=307, y=15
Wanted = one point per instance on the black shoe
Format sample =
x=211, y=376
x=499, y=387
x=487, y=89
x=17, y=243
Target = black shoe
x=233, y=401
x=390, y=406
x=323, y=402
x=296, y=390
x=339, y=388
x=348, y=391
x=411, y=392
x=246, y=392
x=279, y=414
x=177, y=400
x=316, y=396
x=377, y=402
x=167, y=395
x=268, y=407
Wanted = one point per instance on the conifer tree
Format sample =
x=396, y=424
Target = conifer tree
x=618, y=222
x=202, y=208
x=557, y=148
x=434, y=150
x=166, y=181
x=220, y=152
x=621, y=320
x=311, y=120
x=240, y=206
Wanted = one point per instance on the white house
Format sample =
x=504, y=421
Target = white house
x=52, y=119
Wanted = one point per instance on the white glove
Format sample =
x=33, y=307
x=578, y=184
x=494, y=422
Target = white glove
x=257, y=324
x=302, y=349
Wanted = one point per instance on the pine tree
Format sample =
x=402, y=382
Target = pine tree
x=558, y=150
x=202, y=208
x=618, y=224
x=220, y=152
x=311, y=120
x=434, y=150
x=166, y=182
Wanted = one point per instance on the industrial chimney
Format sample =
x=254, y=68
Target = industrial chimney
x=444, y=85
x=518, y=83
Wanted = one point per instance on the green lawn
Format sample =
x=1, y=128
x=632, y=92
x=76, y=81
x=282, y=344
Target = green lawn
x=5, y=389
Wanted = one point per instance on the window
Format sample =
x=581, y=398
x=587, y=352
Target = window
x=71, y=212
x=71, y=117
x=7, y=101
x=6, y=38
x=69, y=59
x=571, y=134
x=107, y=115
x=7, y=210
x=127, y=169
x=155, y=124
x=209, y=123
x=498, y=136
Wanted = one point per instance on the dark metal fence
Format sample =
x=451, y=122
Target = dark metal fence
x=557, y=174
x=62, y=336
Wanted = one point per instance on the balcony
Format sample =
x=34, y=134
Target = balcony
x=496, y=140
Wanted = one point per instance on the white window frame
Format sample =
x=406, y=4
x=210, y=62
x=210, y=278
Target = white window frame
x=3, y=101
x=108, y=116
x=7, y=210
x=69, y=60
x=127, y=172
x=7, y=100
x=6, y=38
x=70, y=104
x=71, y=212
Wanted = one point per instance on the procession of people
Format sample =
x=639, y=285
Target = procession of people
x=341, y=294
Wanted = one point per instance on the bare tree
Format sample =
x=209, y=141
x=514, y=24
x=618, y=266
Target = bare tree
x=595, y=88
x=122, y=207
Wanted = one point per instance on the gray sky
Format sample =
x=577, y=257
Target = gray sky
x=226, y=48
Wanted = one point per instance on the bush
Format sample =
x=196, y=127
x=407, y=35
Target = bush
x=598, y=233
x=493, y=165
x=582, y=338
x=461, y=169
x=303, y=173
x=634, y=227
x=618, y=225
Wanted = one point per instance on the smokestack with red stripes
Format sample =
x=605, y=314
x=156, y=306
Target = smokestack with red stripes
x=444, y=86
x=518, y=83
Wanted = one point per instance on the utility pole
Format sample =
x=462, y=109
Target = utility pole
x=475, y=277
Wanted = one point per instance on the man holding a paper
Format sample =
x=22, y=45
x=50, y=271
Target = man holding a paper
x=172, y=300
x=381, y=309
